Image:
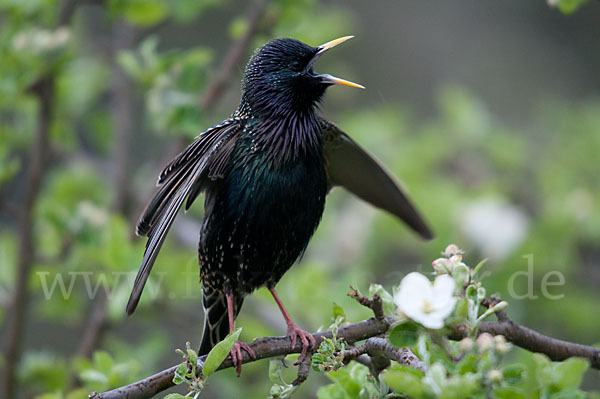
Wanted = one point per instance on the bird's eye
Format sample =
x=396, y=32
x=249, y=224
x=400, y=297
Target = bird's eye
x=296, y=65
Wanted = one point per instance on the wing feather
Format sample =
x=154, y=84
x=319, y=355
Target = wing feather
x=184, y=176
x=350, y=166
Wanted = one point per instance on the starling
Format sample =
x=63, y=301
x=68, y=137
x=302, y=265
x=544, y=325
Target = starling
x=265, y=173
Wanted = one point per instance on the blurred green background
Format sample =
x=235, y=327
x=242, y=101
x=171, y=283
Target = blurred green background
x=488, y=111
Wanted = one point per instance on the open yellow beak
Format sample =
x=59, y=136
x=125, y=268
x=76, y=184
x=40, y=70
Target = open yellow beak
x=326, y=78
x=331, y=44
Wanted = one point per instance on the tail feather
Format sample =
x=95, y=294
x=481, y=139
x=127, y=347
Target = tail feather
x=216, y=323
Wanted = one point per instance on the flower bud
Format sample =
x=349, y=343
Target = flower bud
x=465, y=344
x=456, y=258
x=501, y=345
x=495, y=375
x=452, y=250
x=461, y=275
x=485, y=342
x=442, y=266
x=500, y=306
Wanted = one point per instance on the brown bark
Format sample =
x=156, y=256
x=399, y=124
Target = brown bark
x=43, y=89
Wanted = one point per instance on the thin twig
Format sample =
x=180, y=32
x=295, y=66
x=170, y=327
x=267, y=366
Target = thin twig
x=122, y=111
x=96, y=324
x=233, y=56
x=303, y=370
x=375, y=304
x=501, y=314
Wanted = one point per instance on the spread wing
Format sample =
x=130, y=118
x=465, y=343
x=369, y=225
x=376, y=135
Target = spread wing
x=350, y=166
x=185, y=176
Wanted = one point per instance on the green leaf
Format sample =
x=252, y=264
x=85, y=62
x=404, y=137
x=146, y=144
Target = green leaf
x=93, y=376
x=571, y=393
x=336, y=311
x=568, y=6
x=436, y=377
x=543, y=369
x=513, y=373
x=346, y=382
x=471, y=292
x=406, y=380
x=460, y=313
x=508, y=392
x=468, y=364
x=174, y=396
x=275, y=369
x=193, y=356
x=478, y=267
x=461, y=386
x=219, y=352
x=481, y=292
x=180, y=374
x=130, y=64
x=404, y=334
x=143, y=12
x=569, y=373
x=103, y=361
x=43, y=371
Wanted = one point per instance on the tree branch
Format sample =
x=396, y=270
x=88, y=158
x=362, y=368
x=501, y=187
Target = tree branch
x=534, y=341
x=121, y=105
x=43, y=89
x=375, y=346
x=381, y=352
x=263, y=348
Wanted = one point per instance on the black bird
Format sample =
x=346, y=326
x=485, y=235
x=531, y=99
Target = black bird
x=265, y=172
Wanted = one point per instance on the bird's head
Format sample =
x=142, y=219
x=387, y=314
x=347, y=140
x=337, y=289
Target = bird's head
x=280, y=76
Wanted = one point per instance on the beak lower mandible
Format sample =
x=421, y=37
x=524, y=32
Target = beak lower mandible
x=326, y=78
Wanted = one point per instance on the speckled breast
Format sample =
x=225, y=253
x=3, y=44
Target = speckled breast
x=260, y=218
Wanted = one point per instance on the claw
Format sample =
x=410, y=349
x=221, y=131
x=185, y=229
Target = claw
x=308, y=341
x=293, y=332
x=236, y=355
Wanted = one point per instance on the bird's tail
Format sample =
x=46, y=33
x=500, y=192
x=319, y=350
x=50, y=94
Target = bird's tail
x=216, y=323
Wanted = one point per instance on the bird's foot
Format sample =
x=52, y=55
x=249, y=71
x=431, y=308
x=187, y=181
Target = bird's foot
x=236, y=355
x=307, y=339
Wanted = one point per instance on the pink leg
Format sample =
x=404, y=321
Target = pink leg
x=308, y=341
x=236, y=351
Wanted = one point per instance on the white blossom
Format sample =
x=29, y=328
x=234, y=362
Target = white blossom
x=426, y=303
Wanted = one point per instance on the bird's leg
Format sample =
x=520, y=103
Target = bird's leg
x=308, y=341
x=236, y=351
